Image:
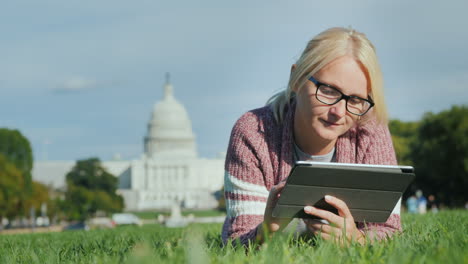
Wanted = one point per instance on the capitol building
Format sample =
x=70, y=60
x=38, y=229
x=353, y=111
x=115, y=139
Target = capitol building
x=169, y=170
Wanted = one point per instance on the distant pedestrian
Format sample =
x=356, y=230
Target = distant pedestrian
x=422, y=202
x=432, y=204
x=412, y=204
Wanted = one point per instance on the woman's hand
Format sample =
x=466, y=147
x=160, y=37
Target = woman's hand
x=273, y=224
x=340, y=228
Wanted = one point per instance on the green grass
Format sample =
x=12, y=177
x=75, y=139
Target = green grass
x=430, y=238
x=196, y=213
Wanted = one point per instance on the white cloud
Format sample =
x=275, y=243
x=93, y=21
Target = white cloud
x=75, y=84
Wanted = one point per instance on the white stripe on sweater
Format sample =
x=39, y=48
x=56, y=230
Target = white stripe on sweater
x=236, y=186
x=237, y=207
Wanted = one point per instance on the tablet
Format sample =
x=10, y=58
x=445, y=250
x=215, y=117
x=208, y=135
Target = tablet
x=370, y=191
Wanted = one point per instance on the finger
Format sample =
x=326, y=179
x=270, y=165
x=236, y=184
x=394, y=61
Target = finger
x=324, y=235
x=326, y=215
x=313, y=224
x=339, y=204
x=331, y=230
x=319, y=226
x=332, y=235
x=312, y=221
x=334, y=239
x=281, y=185
x=273, y=196
x=277, y=188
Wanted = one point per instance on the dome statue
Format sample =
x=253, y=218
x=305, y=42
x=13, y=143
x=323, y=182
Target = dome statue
x=169, y=129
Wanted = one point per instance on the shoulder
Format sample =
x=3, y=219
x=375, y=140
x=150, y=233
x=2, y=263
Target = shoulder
x=251, y=134
x=366, y=133
x=254, y=121
x=372, y=129
x=375, y=144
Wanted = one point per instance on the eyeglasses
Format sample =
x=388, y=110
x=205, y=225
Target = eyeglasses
x=330, y=95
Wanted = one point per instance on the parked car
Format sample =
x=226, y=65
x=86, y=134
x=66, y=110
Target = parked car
x=126, y=219
x=101, y=223
x=76, y=226
x=42, y=221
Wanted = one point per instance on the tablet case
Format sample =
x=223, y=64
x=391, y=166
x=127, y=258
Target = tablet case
x=370, y=191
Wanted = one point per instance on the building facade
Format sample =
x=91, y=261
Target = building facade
x=169, y=170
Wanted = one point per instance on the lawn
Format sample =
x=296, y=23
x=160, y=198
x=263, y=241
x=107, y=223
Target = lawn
x=196, y=213
x=430, y=238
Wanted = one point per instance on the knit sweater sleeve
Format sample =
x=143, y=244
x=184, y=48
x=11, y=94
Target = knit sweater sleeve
x=377, y=142
x=245, y=190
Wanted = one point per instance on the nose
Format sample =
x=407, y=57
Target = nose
x=339, y=109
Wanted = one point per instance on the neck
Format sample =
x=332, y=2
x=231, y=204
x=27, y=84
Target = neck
x=308, y=141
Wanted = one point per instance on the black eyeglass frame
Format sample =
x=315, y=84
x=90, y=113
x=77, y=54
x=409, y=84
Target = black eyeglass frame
x=343, y=96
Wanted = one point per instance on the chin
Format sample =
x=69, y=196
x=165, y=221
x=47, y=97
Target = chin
x=326, y=134
x=331, y=133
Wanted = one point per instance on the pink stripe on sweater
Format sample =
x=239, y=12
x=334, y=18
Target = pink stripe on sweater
x=244, y=197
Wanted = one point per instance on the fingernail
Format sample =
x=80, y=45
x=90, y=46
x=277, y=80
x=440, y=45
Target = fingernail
x=328, y=197
x=308, y=209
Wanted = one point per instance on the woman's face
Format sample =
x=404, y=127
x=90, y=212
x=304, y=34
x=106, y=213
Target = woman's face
x=328, y=122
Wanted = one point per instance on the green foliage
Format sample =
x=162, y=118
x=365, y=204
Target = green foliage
x=437, y=146
x=11, y=188
x=17, y=150
x=90, y=188
x=90, y=174
x=430, y=238
x=17, y=162
x=404, y=136
x=441, y=155
x=39, y=196
x=56, y=208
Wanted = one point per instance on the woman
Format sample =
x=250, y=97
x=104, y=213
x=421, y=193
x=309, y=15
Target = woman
x=332, y=110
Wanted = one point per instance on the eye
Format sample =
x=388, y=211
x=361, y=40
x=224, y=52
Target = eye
x=355, y=101
x=328, y=91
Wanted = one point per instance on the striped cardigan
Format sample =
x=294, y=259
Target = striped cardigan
x=261, y=154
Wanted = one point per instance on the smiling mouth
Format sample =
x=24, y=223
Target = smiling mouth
x=329, y=123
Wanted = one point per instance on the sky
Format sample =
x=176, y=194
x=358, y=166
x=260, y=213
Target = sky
x=80, y=78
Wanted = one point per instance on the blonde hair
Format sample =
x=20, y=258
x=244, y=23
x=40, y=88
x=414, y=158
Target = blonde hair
x=321, y=50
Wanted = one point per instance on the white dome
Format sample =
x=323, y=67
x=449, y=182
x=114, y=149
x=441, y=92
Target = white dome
x=170, y=129
x=170, y=120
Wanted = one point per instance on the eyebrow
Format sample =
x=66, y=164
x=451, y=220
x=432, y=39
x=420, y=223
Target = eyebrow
x=340, y=89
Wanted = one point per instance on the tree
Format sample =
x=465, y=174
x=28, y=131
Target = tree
x=440, y=155
x=404, y=136
x=17, y=150
x=39, y=196
x=90, y=188
x=11, y=188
